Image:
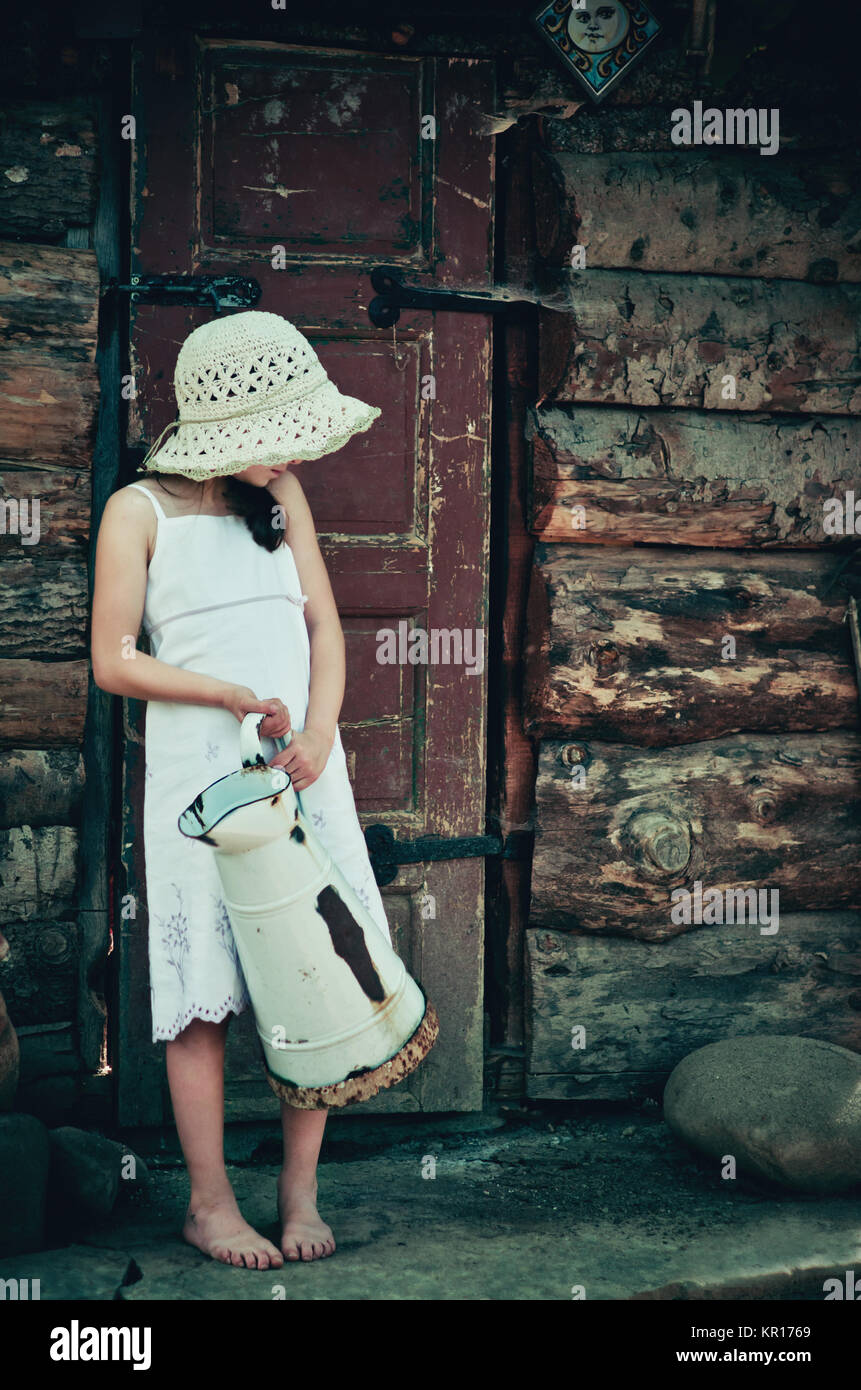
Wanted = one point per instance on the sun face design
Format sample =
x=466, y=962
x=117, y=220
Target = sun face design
x=597, y=40
x=598, y=27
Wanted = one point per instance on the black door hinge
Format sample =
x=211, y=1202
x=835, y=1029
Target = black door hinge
x=213, y=291
x=387, y=854
x=393, y=295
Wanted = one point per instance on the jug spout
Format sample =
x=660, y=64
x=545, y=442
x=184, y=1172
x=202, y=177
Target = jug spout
x=242, y=810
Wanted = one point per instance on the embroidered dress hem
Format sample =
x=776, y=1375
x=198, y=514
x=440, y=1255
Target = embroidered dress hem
x=167, y=1033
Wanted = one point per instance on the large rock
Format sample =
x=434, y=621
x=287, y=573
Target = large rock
x=10, y=1055
x=85, y=1173
x=88, y=1172
x=787, y=1109
x=24, y=1165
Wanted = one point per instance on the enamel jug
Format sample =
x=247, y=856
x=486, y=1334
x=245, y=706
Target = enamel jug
x=338, y=1016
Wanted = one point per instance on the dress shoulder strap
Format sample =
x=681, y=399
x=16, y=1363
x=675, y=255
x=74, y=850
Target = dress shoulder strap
x=159, y=510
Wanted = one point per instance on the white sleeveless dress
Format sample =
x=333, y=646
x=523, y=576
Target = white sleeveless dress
x=219, y=604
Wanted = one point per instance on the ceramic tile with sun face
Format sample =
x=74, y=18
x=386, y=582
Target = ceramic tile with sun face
x=599, y=39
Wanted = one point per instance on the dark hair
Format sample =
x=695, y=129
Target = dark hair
x=255, y=505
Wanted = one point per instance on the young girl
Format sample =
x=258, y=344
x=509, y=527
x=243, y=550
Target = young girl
x=216, y=553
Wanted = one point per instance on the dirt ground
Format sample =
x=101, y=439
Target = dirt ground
x=534, y=1203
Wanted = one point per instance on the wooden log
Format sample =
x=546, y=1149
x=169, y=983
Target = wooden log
x=658, y=647
x=49, y=302
x=40, y=786
x=49, y=295
x=42, y=703
x=38, y=872
x=647, y=129
x=672, y=340
x=48, y=155
x=682, y=478
x=40, y=977
x=710, y=213
x=43, y=607
x=48, y=404
x=644, y=1006
x=758, y=811
x=64, y=508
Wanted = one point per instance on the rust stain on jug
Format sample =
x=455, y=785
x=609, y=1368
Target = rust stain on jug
x=348, y=940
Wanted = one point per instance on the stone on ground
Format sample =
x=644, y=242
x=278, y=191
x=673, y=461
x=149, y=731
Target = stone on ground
x=87, y=1171
x=786, y=1108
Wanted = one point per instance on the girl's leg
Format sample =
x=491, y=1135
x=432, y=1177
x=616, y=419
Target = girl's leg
x=305, y=1236
x=195, y=1071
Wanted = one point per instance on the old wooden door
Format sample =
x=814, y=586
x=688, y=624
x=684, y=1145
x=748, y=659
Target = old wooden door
x=304, y=169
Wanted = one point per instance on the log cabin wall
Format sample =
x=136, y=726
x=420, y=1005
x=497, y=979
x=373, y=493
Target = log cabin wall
x=58, y=240
x=689, y=676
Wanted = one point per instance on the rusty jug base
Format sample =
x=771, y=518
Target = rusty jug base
x=367, y=1083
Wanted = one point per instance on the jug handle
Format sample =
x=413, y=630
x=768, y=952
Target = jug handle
x=250, y=749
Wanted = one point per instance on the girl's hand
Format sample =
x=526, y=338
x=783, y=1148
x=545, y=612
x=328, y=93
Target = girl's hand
x=241, y=701
x=304, y=758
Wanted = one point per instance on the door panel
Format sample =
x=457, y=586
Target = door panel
x=305, y=169
x=354, y=117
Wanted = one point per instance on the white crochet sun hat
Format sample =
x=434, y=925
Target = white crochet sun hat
x=251, y=390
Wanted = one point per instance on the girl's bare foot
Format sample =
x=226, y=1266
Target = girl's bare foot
x=304, y=1233
x=219, y=1230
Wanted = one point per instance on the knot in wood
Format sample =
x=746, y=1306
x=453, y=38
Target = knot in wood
x=53, y=945
x=604, y=657
x=662, y=840
x=574, y=754
x=764, y=806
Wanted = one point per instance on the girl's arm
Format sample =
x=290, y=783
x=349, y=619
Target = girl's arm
x=328, y=657
x=328, y=678
x=126, y=538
